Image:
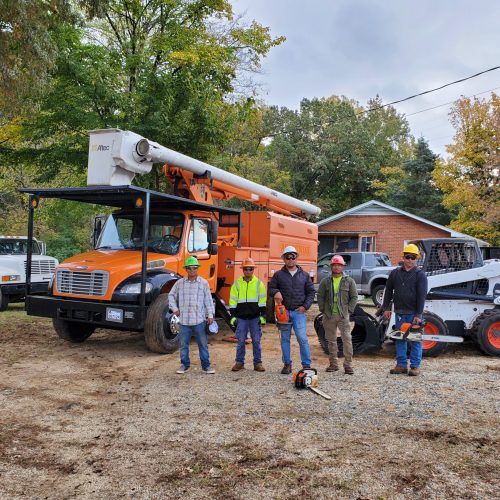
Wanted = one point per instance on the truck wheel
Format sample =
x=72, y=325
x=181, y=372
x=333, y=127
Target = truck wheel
x=434, y=325
x=160, y=330
x=270, y=310
x=4, y=301
x=486, y=331
x=378, y=295
x=72, y=331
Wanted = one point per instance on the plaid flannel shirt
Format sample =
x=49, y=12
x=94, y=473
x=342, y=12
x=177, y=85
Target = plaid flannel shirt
x=193, y=299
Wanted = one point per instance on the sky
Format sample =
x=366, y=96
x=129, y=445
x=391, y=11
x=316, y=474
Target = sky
x=393, y=48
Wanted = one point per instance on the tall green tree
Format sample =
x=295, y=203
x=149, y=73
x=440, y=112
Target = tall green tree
x=416, y=192
x=470, y=177
x=334, y=151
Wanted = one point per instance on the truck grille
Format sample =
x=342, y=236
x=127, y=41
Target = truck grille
x=41, y=266
x=94, y=283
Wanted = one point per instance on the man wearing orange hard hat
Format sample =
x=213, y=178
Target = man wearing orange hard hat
x=247, y=305
x=337, y=299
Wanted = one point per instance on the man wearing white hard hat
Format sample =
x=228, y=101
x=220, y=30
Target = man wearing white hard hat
x=337, y=299
x=294, y=287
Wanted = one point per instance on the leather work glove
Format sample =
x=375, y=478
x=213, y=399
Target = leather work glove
x=262, y=320
x=233, y=322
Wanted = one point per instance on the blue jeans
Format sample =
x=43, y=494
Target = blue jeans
x=242, y=328
x=402, y=346
x=202, y=340
x=299, y=323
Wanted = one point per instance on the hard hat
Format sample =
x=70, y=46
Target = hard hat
x=290, y=249
x=191, y=261
x=338, y=259
x=247, y=262
x=411, y=248
x=213, y=328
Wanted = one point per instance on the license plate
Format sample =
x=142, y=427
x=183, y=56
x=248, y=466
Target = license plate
x=115, y=315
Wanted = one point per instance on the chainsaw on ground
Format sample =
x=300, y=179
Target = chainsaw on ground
x=416, y=333
x=307, y=378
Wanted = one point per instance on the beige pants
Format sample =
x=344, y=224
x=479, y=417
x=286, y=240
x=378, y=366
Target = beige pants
x=345, y=328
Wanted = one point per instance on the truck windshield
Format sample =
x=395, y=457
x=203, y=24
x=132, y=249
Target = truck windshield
x=13, y=246
x=124, y=232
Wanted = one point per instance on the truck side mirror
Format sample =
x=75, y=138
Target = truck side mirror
x=98, y=223
x=213, y=232
x=212, y=249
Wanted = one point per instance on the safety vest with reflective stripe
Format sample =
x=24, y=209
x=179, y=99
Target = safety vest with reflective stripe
x=247, y=299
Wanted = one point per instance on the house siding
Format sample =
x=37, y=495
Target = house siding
x=390, y=230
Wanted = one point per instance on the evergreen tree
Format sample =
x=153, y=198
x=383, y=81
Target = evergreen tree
x=417, y=193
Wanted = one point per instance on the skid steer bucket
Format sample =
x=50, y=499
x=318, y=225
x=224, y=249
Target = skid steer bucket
x=367, y=335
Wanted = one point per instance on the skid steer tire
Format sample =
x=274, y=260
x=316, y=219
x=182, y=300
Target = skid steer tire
x=158, y=333
x=358, y=335
x=73, y=331
x=486, y=332
x=434, y=325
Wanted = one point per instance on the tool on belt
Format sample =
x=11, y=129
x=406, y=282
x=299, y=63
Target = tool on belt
x=415, y=333
x=307, y=378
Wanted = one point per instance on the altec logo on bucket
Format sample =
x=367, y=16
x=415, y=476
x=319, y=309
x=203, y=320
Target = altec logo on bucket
x=99, y=147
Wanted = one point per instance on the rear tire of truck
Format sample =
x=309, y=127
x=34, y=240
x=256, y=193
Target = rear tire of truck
x=434, y=325
x=270, y=310
x=72, y=331
x=158, y=332
x=486, y=332
x=4, y=301
x=378, y=295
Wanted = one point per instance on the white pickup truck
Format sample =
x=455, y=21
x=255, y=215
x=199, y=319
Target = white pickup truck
x=13, y=250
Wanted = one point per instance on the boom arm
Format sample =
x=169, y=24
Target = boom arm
x=115, y=156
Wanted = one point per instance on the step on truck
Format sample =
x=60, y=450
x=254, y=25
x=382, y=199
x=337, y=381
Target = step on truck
x=14, y=268
x=122, y=283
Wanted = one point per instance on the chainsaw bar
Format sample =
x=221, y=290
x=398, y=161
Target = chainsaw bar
x=442, y=338
x=320, y=392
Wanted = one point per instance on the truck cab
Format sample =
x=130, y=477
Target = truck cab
x=13, y=255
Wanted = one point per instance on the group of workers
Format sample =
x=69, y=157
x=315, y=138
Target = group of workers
x=190, y=299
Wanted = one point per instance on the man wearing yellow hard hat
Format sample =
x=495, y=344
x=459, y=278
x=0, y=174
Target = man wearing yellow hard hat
x=406, y=288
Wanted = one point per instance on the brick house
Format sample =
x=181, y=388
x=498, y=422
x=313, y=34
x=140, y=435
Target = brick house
x=377, y=227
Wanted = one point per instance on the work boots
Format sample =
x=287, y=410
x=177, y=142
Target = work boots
x=258, y=367
x=332, y=367
x=286, y=370
x=237, y=367
x=399, y=370
x=348, y=370
x=414, y=372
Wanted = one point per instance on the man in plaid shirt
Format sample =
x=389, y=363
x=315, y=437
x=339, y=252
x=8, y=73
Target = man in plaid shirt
x=191, y=301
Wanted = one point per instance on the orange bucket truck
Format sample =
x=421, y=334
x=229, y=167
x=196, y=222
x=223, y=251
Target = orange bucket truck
x=139, y=251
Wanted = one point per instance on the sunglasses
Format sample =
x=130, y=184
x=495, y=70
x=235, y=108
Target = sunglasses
x=248, y=269
x=290, y=257
x=192, y=268
x=410, y=257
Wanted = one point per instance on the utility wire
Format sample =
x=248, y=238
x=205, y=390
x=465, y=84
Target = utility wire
x=448, y=103
x=429, y=91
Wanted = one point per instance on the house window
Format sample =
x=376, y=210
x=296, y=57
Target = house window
x=367, y=243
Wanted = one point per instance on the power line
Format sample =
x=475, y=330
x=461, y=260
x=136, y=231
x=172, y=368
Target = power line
x=429, y=91
x=448, y=103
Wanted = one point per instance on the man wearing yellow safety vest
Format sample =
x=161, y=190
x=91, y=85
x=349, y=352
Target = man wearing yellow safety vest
x=247, y=305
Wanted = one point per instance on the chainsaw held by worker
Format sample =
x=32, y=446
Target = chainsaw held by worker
x=307, y=378
x=416, y=333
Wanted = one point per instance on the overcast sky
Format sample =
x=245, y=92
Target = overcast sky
x=394, y=48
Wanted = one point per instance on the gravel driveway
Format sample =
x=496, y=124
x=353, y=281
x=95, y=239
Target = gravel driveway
x=108, y=419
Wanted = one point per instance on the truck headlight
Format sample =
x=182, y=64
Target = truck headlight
x=11, y=277
x=135, y=288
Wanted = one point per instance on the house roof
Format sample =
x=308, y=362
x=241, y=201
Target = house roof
x=374, y=207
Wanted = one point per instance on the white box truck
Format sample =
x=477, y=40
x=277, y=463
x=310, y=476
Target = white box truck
x=13, y=254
